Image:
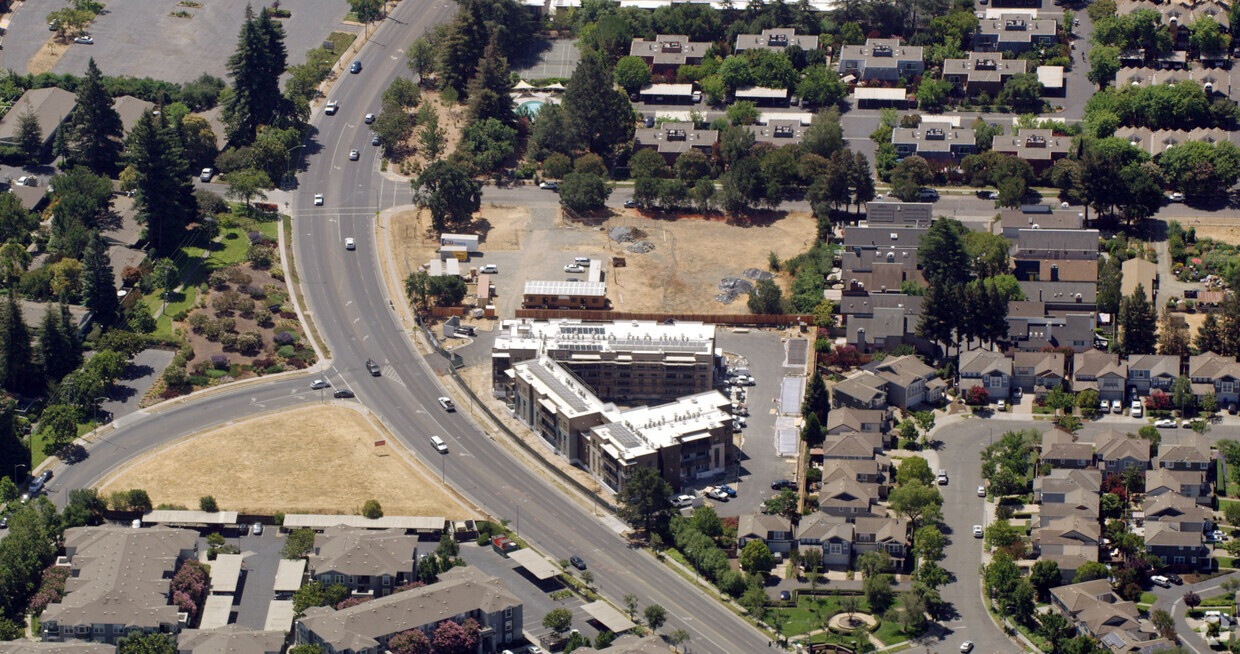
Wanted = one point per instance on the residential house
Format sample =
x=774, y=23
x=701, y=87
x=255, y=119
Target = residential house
x=872, y=474
x=51, y=105
x=1038, y=372
x=366, y=561
x=935, y=142
x=1040, y=147
x=774, y=530
x=1097, y=611
x=668, y=52
x=1181, y=512
x=1190, y=452
x=461, y=593
x=1014, y=33
x=1062, y=296
x=861, y=390
x=1067, y=492
x=882, y=321
x=776, y=40
x=1032, y=327
x=1214, y=81
x=1041, y=243
x=778, y=132
x=119, y=581
x=886, y=534
x=1148, y=372
x=909, y=381
x=848, y=420
x=672, y=139
x=1188, y=483
x=980, y=72
x=1075, y=536
x=1116, y=452
x=1175, y=547
x=882, y=59
x=833, y=536
x=130, y=109
x=1156, y=142
x=230, y=639
x=853, y=446
x=1100, y=371
x=988, y=369
x=1139, y=272
x=847, y=498
x=1037, y=216
x=1061, y=450
x=1215, y=374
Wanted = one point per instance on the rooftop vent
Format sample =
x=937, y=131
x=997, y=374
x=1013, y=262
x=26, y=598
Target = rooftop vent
x=784, y=131
x=676, y=135
x=986, y=64
x=881, y=51
x=935, y=133
x=1035, y=141
x=777, y=40
x=1014, y=24
x=671, y=46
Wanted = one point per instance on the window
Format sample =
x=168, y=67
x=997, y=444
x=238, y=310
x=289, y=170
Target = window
x=508, y=612
x=98, y=628
x=387, y=581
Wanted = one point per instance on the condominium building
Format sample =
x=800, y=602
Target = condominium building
x=618, y=361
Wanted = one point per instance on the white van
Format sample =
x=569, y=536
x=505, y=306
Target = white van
x=582, y=261
x=439, y=444
x=1160, y=581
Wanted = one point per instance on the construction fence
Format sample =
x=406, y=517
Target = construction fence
x=738, y=319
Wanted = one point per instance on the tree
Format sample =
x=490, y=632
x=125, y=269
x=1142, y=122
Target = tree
x=943, y=255
x=1044, y=576
x=914, y=469
x=207, y=503
x=255, y=68
x=99, y=289
x=821, y=87
x=413, y=641
x=917, y=502
x=878, y=592
x=553, y=133
x=8, y=490
x=432, y=138
x=1104, y=64
x=487, y=144
x=1182, y=393
x=422, y=57
x=1164, y=623
x=18, y=373
x=655, y=616
x=756, y=557
x=366, y=11
x=1087, y=400
x=645, y=500
x=448, y=290
x=599, y=114
x=632, y=74
x=1089, y=571
x=873, y=563
x=1136, y=316
x=29, y=137
x=933, y=94
x=449, y=192
x=584, y=192
x=141, y=643
x=393, y=126
x=1023, y=92
x=299, y=543
x=163, y=191
x=1001, y=534
x=94, y=129
x=372, y=510
x=558, y=621
x=811, y=431
x=247, y=184
x=766, y=298
x=489, y=88
x=929, y=543
x=1207, y=37
x=85, y=508
x=451, y=637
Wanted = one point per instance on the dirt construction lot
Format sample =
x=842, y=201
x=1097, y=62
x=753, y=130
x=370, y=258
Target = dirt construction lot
x=690, y=256
x=319, y=459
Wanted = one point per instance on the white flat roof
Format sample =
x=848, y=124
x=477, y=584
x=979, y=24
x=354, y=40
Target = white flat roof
x=992, y=13
x=225, y=572
x=562, y=389
x=216, y=611
x=609, y=616
x=866, y=93
x=954, y=121
x=323, y=521
x=289, y=575
x=803, y=117
x=164, y=517
x=668, y=89
x=1051, y=77
x=279, y=616
x=605, y=336
x=535, y=563
x=645, y=429
x=761, y=92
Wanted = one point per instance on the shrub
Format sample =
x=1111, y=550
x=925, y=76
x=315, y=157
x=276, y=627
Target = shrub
x=229, y=340
x=284, y=338
x=271, y=370
x=246, y=306
x=250, y=341
x=218, y=279
x=255, y=291
x=198, y=322
x=219, y=361
x=51, y=589
x=262, y=316
x=255, y=237
x=295, y=363
x=285, y=351
x=261, y=256
x=228, y=324
x=238, y=276
x=131, y=276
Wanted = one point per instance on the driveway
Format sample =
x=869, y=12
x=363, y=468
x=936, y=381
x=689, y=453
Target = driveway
x=137, y=379
x=258, y=576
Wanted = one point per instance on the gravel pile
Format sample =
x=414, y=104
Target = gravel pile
x=621, y=234
x=732, y=287
x=641, y=247
x=758, y=275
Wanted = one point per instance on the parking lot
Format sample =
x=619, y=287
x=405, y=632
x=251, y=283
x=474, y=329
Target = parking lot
x=165, y=47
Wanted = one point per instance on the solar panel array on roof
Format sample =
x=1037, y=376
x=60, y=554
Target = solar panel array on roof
x=559, y=387
x=565, y=288
x=583, y=329
x=623, y=435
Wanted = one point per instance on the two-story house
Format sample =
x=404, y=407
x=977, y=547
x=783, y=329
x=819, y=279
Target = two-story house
x=1014, y=33
x=890, y=535
x=1096, y=611
x=1037, y=372
x=1188, y=483
x=847, y=498
x=937, y=143
x=860, y=390
x=1175, y=547
x=848, y=420
x=1191, y=451
x=1217, y=374
x=1148, y=372
x=366, y=561
x=988, y=369
x=1061, y=450
x=1116, y=452
x=882, y=59
x=1100, y=371
x=1181, y=512
x=909, y=381
x=832, y=536
x=774, y=530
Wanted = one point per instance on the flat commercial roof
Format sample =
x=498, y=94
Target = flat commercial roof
x=535, y=563
x=289, y=575
x=279, y=616
x=216, y=611
x=609, y=616
x=166, y=517
x=881, y=94
x=761, y=92
x=321, y=521
x=1051, y=77
x=595, y=289
x=225, y=572
x=668, y=89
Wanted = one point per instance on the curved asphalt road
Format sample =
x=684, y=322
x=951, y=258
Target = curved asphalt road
x=347, y=299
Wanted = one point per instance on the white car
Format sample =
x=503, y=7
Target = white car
x=256, y=529
x=353, y=155
x=331, y=108
x=682, y=501
x=1165, y=423
x=84, y=39
x=1176, y=197
x=942, y=478
x=370, y=118
x=27, y=180
x=548, y=186
x=206, y=174
x=489, y=269
x=1117, y=406
x=318, y=199
x=349, y=244
x=1136, y=408
x=977, y=531
x=1187, y=424
x=981, y=491
x=1104, y=406
x=439, y=444
x=1002, y=405
x=573, y=268
x=447, y=404
x=319, y=384
x=966, y=646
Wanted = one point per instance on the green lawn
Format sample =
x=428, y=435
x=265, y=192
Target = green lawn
x=1148, y=598
x=36, y=444
x=804, y=617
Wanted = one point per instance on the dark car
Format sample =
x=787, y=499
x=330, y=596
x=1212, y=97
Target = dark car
x=780, y=484
x=372, y=367
x=344, y=392
x=630, y=204
x=356, y=67
x=577, y=562
x=1175, y=579
x=784, y=596
x=4, y=522
x=731, y=492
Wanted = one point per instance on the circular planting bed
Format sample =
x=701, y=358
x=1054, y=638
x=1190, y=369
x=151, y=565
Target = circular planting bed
x=846, y=623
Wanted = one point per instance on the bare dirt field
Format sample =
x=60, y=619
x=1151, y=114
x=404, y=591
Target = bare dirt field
x=47, y=56
x=1224, y=230
x=319, y=459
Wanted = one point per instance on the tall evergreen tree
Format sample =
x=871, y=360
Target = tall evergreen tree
x=98, y=287
x=94, y=129
x=489, y=88
x=1209, y=335
x=29, y=137
x=255, y=68
x=940, y=313
x=942, y=254
x=55, y=350
x=997, y=324
x=17, y=370
x=599, y=113
x=817, y=401
x=165, y=193
x=1231, y=326
x=1139, y=323
x=1173, y=335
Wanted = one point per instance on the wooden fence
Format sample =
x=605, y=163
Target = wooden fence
x=739, y=319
